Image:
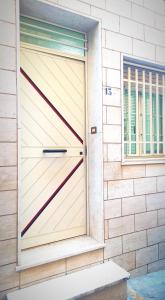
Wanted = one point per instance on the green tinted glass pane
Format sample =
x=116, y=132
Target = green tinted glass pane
x=147, y=148
x=161, y=148
x=51, y=36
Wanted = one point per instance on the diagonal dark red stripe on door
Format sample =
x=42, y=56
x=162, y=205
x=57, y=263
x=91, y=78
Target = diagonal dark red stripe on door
x=51, y=105
x=50, y=198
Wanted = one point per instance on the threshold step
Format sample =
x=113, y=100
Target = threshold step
x=102, y=281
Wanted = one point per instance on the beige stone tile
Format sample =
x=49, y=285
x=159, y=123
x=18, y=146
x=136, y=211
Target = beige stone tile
x=161, y=183
x=7, y=81
x=112, y=133
x=138, y=272
x=8, y=178
x=120, y=189
x=8, y=202
x=131, y=28
x=134, y=241
x=146, y=255
x=120, y=226
x=161, y=217
x=155, y=201
x=7, y=34
x=7, y=252
x=143, y=15
x=113, y=247
x=156, y=266
x=7, y=130
x=105, y=190
x=8, y=154
x=7, y=227
x=111, y=59
x=103, y=37
x=145, y=220
x=112, y=170
x=112, y=208
x=132, y=205
x=162, y=250
x=76, y=5
x=133, y=171
x=114, y=99
x=105, y=17
x=106, y=229
x=8, y=57
x=114, y=115
x=84, y=259
x=155, y=170
x=9, y=278
x=126, y=261
x=104, y=114
x=7, y=11
x=7, y=106
x=119, y=7
x=144, y=50
x=119, y=42
x=113, y=78
x=42, y=272
x=156, y=235
x=114, y=152
x=145, y=185
x=105, y=152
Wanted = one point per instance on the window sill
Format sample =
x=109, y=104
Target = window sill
x=144, y=161
x=56, y=251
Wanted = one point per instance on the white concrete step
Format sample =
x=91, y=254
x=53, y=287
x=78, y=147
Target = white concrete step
x=84, y=284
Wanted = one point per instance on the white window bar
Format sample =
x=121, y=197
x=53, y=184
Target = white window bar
x=144, y=115
x=150, y=103
x=137, y=113
x=129, y=110
x=163, y=113
x=157, y=113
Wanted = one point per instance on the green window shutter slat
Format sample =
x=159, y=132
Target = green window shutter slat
x=51, y=36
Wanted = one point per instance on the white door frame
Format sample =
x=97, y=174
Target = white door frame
x=92, y=27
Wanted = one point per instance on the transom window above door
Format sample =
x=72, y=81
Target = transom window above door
x=50, y=36
x=144, y=110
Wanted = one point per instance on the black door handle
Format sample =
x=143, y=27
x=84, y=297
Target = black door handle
x=54, y=150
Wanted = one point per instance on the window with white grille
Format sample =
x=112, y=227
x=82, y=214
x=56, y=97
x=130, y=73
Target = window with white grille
x=144, y=110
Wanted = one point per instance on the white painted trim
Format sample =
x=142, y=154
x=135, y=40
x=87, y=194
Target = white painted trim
x=141, y=159
x=129, y=111
x=137, y=112
x=157, y=113
x=163, y=89
x=55, y=251
x=144, y=113
x=122, y=106
x=150, y=104
x=18, y=133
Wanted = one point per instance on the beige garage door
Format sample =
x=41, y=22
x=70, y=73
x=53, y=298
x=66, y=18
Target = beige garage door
x=53, y=172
